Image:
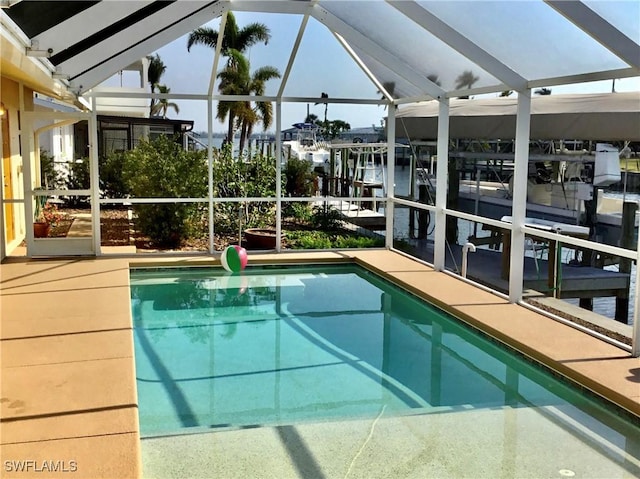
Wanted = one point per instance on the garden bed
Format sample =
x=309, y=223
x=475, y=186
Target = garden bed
x=117, y=230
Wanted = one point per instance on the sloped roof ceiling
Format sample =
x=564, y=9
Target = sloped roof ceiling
x=87, y=42
x=416, y=49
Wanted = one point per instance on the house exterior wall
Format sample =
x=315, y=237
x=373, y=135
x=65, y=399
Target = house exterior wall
x=13, y=214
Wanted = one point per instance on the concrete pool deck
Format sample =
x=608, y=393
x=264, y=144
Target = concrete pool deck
x=68, y=393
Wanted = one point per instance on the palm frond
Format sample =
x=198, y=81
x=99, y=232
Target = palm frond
x=266, y=73
x=238, y=62
x=203, y=36
x=266, y=113
x=252, y=34
x=156, y=69
x=230, y=33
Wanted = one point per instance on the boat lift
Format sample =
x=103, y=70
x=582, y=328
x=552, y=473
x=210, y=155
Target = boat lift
x=359, y=173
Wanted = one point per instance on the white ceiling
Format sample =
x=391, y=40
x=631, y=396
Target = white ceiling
x=414, y=49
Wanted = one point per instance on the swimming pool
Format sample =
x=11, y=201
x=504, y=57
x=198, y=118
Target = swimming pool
x=281, y=347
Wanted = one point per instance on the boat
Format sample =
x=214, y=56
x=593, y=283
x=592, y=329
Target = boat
x=573, y=155
x=567, y=187
x=306, y=146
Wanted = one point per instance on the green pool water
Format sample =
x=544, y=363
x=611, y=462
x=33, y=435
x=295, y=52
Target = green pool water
x=289, y=346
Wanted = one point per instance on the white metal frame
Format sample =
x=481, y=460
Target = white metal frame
x=460, y=43
x=600, y=30
x=577, y=12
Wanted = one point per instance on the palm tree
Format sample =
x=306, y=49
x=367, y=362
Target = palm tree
x=159, y=109
x=326, y=105
x=543, y=91
x=311, y=118
x=466, y=80
x=263, y=110
x=234, y=39
x=154, y=73
x=335, y=127
x=236, y=79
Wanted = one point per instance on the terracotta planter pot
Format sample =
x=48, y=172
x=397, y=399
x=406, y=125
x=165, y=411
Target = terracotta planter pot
x=260, y=238
x=41, y=230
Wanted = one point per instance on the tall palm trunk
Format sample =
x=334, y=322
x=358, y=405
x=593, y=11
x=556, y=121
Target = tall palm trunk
x=244, y=133
x=230, y=131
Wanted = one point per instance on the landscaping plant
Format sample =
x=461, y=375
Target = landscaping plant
x=161, y=168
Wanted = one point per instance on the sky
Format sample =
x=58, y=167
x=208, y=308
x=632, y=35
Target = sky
x=321, y=65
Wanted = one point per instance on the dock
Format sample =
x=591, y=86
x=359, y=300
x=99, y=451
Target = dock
x=363, y=217
x=485, y=267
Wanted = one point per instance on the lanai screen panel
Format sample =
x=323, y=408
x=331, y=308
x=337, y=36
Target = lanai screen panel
x=89, y=41
x=625, y=15
x=395, y=85
x=409, y=42
x=528, y=36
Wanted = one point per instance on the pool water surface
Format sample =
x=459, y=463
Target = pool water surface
x=293, y=346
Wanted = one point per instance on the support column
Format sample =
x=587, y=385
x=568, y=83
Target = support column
x=635, y=336
x=94, y=177
x=26, y=152
x=210, y=205
x=278, y=159
x=519, y=205
x=391, y=169
x=4, y=119
x=441, y=185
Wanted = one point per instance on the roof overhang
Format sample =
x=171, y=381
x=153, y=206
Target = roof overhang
x=30, y=71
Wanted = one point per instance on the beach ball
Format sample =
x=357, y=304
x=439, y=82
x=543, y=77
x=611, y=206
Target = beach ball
x=234, y=258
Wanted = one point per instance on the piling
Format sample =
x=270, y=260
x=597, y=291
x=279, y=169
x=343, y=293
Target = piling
x=423, y=215
x=629, y=210
x=590, y=219
x=453, y=192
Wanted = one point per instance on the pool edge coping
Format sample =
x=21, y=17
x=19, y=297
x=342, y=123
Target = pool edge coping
x=374, y=260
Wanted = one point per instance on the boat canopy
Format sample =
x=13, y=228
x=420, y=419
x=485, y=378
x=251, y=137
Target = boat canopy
x=608, y=116
x=305, y=126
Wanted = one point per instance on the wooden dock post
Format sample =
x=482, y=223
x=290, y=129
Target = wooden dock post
x=452, y=201
x=629, y=210
x=587, y=254
x=423, y=215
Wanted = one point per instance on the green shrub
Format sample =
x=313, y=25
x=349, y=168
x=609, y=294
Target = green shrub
x=236, y=178
x=79, y=176
x=309, y=240
x=78, y=179
x=112, y=183
x=301, y=212
x=49, y=175
x=300, y=181
x=161, y=168
x=326, y=218
x=325, y=240
x=357, y=242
